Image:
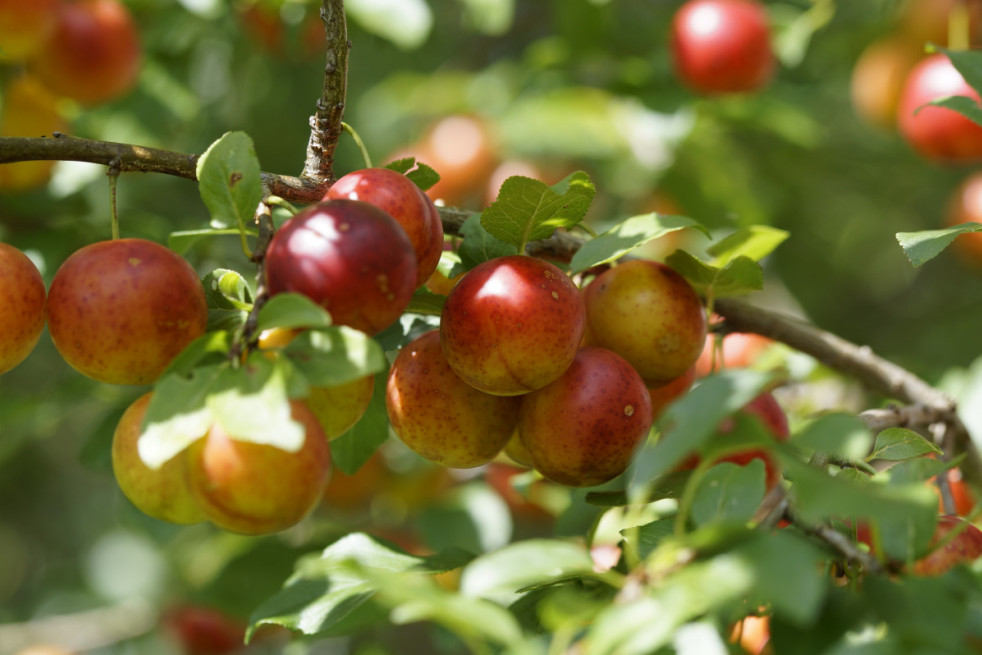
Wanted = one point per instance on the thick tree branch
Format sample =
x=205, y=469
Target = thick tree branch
x=325, y=124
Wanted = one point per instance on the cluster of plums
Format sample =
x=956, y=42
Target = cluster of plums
x=87, y=51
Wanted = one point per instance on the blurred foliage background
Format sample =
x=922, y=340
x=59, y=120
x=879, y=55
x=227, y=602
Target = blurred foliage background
x=557, y=85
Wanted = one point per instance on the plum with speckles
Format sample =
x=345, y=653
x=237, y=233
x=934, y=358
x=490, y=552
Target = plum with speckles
x=648, y=314
x=348, y=256
x=255, y=488
x=398, y=196
x=438, y=416
x=162, y=493
x=22, y=296
x=949, y=551
x=512, y=325
x=120, y=311
x=582, y=430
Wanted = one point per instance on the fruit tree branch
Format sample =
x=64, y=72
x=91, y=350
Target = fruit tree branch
x=127, y=158
x=325, y=124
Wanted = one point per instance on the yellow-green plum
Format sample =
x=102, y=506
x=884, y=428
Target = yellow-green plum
x=438, y=416
x=512, y=324
x=648, y=314
x=162, y=493
x=253, y=488
x=582, y=430
x=517, y=451
x=120, y=311
x=22, y=297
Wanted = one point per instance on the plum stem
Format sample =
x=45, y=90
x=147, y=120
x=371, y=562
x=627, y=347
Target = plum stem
x=113, y=175
x=358, y=142
x=959, y=27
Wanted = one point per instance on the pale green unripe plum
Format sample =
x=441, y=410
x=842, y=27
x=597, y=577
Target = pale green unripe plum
x=512, y=325
x=162, y=493
x=648, y=314
x=583, y=429
x=255, y=488
x=438, y=416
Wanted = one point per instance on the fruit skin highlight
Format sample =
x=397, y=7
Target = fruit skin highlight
x=255, y=488
x=512, y=324
x=348, y=256
x=582, y=430
x=438, y=416
x=163, y=493
x=22, y=297
x=938, y=133
x=399, y=197
x=722, y=46
x=648, y=314
x=120, y=311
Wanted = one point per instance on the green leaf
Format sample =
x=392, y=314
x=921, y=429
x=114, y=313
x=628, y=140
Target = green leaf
x=490, y=17
x=964, y=105
x=178, y=413
x=228, y=290
x=754, y=242
x=643, y=625
x=897, y=444
x=421, y=175
x=229, y=179
x=472, y=516
x=842, y=435
x=739, y=276
x=650, y=535
x=292, y=310
x=478, y=245
x=502, y=575
x=921, y=247
x=788, y=574
x=209, y=347
x=252, y=404
x=628, y=235
x=969, y=64
x=691, y=421
x=728, y=492
x=425, y=301
x=326, y=588
x=527, y=209
x=405, y=23
x=182, y=240
x=331, y=356
x=354, y=447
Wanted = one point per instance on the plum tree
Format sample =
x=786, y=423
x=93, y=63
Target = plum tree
x=648, y=314
x=438, y=416
x=722, y=46
x=93, y=54
x=582, y=430
x=255, y=488
x=938, y=133
x=25, y=26
x=350, y=257
x=162, y=493
x=512, y=324
x=946, y=551
x=120, y=311
x=29, y=109
x=398, y=196
x=23, y=298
